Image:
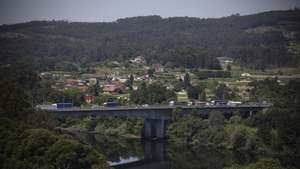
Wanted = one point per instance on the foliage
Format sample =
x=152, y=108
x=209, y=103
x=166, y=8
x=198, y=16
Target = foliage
x=215, y=131
x=194, y=92
x=212, y=74
x=264, y=163
x=177, y=41
x=266, y=90
x=222, y=92
x=151, y=94
x=186, y=81
x=26, y=147
x=285, y=117
x=105, y=98
x=196, y=131
x=24, y=141
x=18, y=86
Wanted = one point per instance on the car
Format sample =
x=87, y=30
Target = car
x=145, y=105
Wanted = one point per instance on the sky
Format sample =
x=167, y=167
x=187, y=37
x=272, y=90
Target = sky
x=16, y=11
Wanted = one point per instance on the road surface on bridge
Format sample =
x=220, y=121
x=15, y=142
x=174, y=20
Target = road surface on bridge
x=152, y=107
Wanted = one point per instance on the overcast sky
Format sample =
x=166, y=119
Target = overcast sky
x=14, y=11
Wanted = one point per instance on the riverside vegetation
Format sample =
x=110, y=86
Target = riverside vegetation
x=274, y=133
x=28, y=138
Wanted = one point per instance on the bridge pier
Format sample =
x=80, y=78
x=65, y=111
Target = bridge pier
x=154, y=128
x=154, y=150
x=148, y=128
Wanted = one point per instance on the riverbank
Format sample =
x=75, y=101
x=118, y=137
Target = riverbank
x=72, y=130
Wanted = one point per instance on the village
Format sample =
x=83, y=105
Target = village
x=114, y=82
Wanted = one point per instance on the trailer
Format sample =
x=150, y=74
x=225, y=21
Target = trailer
x=62, y=105
x=110, y=104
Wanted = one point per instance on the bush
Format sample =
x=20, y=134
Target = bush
x=71, y=154
x=22, y=147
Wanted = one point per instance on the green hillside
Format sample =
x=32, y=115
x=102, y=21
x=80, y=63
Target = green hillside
x=254, y=41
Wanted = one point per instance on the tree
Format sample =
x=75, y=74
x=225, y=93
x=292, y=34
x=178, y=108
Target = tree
x=286, y=118
x=152, y=93
x=95, y=89
x=129, y=82
x=193, y=92
x=186, y=81
x=18, y=86
x=228, y=67
x=222, y=92
x=150, y=72
x=203, y=95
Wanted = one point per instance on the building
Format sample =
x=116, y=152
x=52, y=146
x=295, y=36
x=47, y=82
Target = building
x=113, y=88
x=245, y=75
x=138, y=60
x=89, y=99
x=158, y=68
x=225, y=61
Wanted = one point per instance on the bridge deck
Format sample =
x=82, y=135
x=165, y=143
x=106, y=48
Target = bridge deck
x=162, y=112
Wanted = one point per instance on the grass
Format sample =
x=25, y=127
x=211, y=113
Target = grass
x=182, y=96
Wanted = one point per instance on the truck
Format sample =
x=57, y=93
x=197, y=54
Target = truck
x=219, y=102
x=234, y=103
x=62, y=105
x=110, y=104
x=178, y=103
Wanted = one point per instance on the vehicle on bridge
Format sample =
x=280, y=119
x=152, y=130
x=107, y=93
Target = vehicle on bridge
x=219, y=102
x=110, y=104
x=178, y=103
x=201, y=103
x=62, y=105
x=225, y=103
x=234, y=103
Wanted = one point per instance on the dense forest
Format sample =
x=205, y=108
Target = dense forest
x=269, y=39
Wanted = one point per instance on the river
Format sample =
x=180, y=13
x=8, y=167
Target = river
x=138, y=154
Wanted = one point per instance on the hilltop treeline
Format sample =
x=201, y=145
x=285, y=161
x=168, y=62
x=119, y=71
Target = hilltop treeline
x=256, y=41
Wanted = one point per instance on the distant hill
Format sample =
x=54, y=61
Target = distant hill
x=269, y=39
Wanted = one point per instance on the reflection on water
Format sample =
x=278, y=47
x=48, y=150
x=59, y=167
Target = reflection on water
x=137, y=154
x=123, y=161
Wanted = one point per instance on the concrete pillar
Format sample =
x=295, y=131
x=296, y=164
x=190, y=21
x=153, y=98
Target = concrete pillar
x=148, y=128
x=159, y=151
x=159, y=129
x=148, y=155
x=251, y=113
x=154, y=150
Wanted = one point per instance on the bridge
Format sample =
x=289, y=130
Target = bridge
x=155, y=117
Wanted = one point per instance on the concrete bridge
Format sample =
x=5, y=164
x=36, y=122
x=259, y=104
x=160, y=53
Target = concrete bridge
x=155, y=117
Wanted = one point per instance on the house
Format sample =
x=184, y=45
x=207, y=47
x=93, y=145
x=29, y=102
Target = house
x=225, y=61
x=113, y=87
x=71, y=82
x=83, y=88
x=122, y=79
x=245, y=75
x=89, y=99
x=138, y=60
x=158, y=68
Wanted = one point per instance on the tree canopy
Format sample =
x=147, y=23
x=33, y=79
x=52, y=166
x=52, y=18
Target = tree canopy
x=255, y=41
